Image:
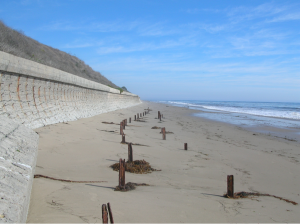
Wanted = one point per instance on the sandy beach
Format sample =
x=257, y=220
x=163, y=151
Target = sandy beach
x=191, y=184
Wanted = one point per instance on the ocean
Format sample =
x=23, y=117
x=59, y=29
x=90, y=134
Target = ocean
x=280, y=119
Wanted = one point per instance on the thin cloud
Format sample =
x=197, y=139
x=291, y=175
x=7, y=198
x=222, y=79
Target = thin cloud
x=287, y=17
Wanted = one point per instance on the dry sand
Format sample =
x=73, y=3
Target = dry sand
x=191, y=184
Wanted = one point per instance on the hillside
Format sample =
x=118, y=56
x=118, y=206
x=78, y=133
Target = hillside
x=16, y=43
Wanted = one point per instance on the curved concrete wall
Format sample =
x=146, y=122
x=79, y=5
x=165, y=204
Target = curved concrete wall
x=34, y=95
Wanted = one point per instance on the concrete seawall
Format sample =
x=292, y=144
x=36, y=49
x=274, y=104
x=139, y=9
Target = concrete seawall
x=34, y=95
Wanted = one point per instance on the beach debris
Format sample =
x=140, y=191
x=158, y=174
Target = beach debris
x=72, y=181
x=130, y=186
x=163, y=131
x=105, y=122
x=130, y=153
x=185, y=146
x=137, y=166
x=139, y=120
x=155, y=127
x=121, y=173
x=107, y=131
x=244, y=194
x=167, y=132
x=138, y=144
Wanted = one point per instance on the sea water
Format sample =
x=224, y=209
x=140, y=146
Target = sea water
x=260, y=115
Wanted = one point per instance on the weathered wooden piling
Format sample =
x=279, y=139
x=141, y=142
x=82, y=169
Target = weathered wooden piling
x=121, y=128
x=230, y=186
x=135, y=117
x=185, y=146
x=122, y=174
x=163, y=131
x=123, y=138
x=104, y=214
x=130, y=120
x=110, y=213
x=130, y=153
x=158, y=114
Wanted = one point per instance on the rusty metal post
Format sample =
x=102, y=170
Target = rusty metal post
x=104, y=214
x=230, y=186
x=122, y=174
x=130, y=153
x=185, y=146
x=123, y=138
x=163, y=130
x=110, y=213
x=135, y=117
x=130, y=120
x=121, y=128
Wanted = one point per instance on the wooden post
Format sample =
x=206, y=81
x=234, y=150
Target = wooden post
x=135, y=117
x=158, y=116
x=185, y=146
x=122, y=174
x=110, y=213
x=130, y=153
x=104, y=214
x=123, y=138
x=124, y=124
x=163, y=130
x=130, y=120
x=141, y=114
x=230, y=186
x=121, y=128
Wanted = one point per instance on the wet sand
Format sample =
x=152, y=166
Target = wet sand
x=190, y=185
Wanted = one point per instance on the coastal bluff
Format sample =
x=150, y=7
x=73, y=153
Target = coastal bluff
x=35, y=95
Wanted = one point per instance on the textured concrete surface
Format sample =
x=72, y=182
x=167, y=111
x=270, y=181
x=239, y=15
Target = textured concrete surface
x=18, y=148
x=33, y=95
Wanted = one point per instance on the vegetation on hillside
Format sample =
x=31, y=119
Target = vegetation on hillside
x=16, y=43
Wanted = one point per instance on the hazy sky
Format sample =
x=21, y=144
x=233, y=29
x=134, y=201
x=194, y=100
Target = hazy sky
x=193, y=50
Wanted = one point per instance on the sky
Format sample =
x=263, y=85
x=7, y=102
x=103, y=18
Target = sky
x=223, y=50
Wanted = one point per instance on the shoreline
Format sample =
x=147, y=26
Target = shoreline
x=287, y=133
x=191, y=184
